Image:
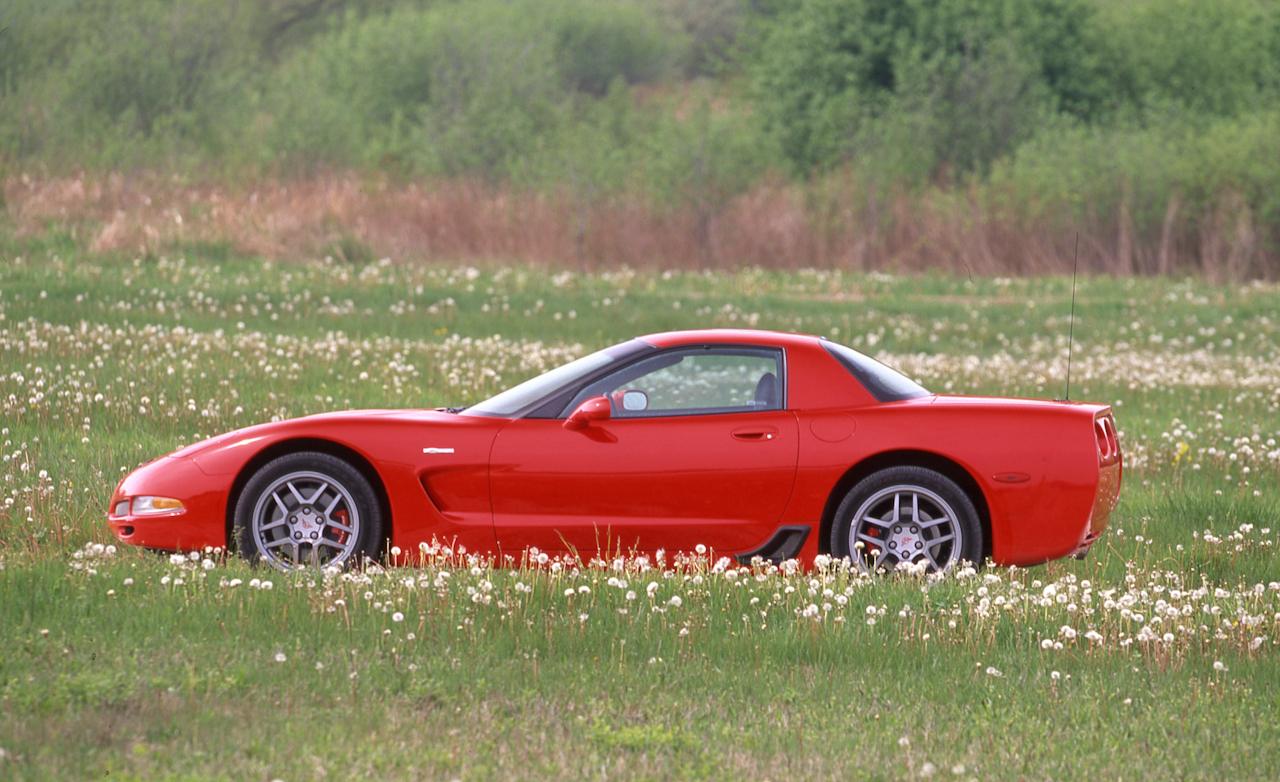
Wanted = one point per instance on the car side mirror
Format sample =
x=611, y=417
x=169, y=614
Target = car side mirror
x=635, y=401
x=596, y=408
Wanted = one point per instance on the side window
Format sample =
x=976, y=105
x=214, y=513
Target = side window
x=692, y=382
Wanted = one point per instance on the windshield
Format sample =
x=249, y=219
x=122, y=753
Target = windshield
x=520, y=399
x=885, y=384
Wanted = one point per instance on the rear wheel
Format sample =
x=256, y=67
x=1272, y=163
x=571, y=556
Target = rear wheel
x=907, y=515
x=308, y=509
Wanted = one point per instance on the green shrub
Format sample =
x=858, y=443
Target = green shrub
x=494, y=100
x=113, y=84
x=143, y=69
x=711, y=31
x=948, y=119
x=476, y=88
x=34, y=33
x=1079, y=175
x=1212, y=58
x=597, y=42
x=702, y=157
x=347, y=98
x=600, y=152
x=688, y=151
x=831, y=75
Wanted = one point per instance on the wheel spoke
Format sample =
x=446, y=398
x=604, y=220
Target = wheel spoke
x=340, y=526
x=886, y=523
x=877, y=542
x=930, y=523
x=323, y=486
x=332, y=544
x=278, y=543
x=267, y=527
x=284, y=509
x=915, y=507
x=297, y=495
x=337, y=498
x=939, y=540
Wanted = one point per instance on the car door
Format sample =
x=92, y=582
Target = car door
x=698, y=448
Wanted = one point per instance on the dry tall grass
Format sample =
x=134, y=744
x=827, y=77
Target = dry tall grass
x=834, y=223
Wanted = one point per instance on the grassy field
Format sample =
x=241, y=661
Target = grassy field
x=1155, y=658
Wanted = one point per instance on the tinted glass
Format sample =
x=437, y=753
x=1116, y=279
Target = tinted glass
x=885, y=384
x=518, y=399
x=698, y=380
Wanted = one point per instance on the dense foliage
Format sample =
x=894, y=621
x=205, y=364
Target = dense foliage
x=1152, y=118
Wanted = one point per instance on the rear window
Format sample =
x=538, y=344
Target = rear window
x=885, y=384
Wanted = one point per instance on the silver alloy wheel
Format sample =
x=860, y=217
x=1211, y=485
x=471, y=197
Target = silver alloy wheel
x=305, y=519
x=905, y=523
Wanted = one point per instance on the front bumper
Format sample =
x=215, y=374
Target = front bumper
x=202, y=522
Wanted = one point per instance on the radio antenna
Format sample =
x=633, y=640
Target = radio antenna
x=1071, y=328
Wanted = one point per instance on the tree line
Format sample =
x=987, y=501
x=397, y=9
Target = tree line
x=1155, y=122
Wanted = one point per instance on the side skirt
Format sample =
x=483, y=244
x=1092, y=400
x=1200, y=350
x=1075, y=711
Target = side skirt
x=784, y=544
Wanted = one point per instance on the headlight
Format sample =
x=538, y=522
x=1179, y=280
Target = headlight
x=153, y=506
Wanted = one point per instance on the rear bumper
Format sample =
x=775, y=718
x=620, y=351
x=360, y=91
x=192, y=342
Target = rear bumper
x=1082, y=550
x=1104, y=502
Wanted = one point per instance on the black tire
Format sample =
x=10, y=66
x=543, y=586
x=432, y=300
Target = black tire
x=346, y=519
x=940, y=502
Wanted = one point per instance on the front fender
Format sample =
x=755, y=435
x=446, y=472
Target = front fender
x=199, y=525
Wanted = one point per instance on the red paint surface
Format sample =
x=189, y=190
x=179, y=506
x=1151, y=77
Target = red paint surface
x=727, y=481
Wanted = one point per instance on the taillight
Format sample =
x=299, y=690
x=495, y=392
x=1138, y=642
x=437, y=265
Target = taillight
x=1104, y=429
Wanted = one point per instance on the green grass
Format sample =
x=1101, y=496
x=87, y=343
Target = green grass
x=109, y=665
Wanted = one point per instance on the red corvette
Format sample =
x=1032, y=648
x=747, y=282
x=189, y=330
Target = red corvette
x=752, y=443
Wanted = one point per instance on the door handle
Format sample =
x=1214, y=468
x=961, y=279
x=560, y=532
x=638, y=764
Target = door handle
x=755, y=434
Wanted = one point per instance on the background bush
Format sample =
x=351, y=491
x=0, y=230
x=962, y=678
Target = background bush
x=967, y=79
x=1070, y=110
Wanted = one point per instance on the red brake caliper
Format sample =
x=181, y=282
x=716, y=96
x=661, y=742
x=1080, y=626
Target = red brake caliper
x=344, y=518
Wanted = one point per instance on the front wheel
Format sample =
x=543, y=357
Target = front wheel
x=308, y=509
x=907, y=515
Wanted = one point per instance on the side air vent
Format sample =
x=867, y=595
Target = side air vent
x=432, y=496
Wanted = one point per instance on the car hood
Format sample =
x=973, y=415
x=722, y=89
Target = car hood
x=258, y=430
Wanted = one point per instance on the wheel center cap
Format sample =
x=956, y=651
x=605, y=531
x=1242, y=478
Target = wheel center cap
x=906, y=539
x=305, y=523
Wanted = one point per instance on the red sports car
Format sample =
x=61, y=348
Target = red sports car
x=751, y=443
